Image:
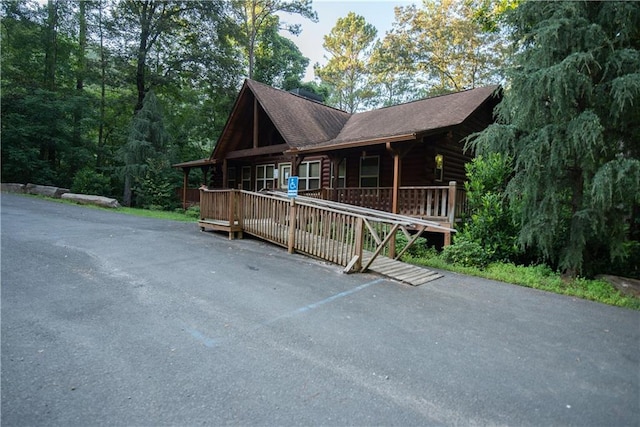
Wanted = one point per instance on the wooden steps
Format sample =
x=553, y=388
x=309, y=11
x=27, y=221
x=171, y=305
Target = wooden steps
x=407, y=273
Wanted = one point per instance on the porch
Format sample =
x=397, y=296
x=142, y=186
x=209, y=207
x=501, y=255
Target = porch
x=444, y=204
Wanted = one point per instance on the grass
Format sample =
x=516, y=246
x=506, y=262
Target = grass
x=176, y=215
x=537, y=277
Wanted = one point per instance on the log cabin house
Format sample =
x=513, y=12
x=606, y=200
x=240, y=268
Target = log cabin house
x=406, y=159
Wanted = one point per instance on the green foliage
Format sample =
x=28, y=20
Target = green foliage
x=156, y=189
x=419, y=249
x=147, y=143
x=491, y=222
x=89, y=181
x=349, y=43
x=569, y=119
x=192, y=212
x=258, y=22
x=465, y=252
x=278, y=59
x=445, y=47
x=538, y=277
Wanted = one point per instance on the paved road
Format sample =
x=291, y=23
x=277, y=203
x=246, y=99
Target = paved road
x=109, y=319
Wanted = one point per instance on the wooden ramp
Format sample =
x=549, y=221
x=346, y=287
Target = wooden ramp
x=358, y=238
x=407, y=273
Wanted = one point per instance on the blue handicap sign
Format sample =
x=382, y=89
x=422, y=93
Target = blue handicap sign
x=292, y=186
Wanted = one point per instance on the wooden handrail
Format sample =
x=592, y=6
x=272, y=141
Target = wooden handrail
x=347, y=235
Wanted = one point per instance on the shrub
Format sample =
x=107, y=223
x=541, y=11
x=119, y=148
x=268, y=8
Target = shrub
x=193, y=211
x=419, y=249
x=491, y=223
x=156, y=189
x=89, y=181
x=465, y=252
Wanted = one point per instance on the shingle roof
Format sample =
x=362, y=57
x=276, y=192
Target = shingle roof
x=411, y=118
x=299, y=120
x=307, y=125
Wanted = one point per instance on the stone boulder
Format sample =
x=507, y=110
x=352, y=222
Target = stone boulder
x=12, y=188
x=45, y=190
x=85, y=199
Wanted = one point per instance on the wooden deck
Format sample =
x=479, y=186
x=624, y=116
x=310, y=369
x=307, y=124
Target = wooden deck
x=359, y=239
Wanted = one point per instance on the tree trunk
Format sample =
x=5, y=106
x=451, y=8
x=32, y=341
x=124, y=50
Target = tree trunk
x=103, y=67
x=51, y=48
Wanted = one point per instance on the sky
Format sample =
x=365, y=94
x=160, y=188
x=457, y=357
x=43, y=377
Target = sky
x=380, y=13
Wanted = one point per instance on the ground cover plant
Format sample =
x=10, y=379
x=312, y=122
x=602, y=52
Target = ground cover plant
x=532, y=276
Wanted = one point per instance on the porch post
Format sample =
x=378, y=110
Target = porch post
x=292, y=226
x=205, y=172
x=335, y=165
x=185, y=184
x=224, y=173
x=395, y=193
x=295, y=164
x=397, y=164
x=452, y=202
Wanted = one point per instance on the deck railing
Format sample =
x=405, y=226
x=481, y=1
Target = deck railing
x=343, y=234
x=220, y=205
x=440, y=203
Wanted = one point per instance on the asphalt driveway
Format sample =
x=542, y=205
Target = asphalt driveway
x=109, y=319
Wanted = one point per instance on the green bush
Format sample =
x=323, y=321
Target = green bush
x=465, y=252
x=89, y=181
x=491, y=222
x=419, y=249
x=193, y=212
x=156, y=189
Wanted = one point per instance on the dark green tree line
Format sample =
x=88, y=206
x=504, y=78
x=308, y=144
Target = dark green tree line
x=570, y=122
x=75, y=74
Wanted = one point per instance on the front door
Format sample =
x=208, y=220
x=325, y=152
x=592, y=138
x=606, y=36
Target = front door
x=284, y=172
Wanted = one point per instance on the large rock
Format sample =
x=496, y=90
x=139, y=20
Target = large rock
x=86, y=199
x=12, y=188
x=45, y=190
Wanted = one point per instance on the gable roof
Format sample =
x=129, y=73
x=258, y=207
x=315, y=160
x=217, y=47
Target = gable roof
x=405, y=121
x=299, y=120
x=307, y=126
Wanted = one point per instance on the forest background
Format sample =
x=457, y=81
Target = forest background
x=102, y=96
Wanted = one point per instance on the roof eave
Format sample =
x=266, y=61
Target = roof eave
x=353, y=144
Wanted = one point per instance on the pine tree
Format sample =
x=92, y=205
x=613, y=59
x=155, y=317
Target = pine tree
x=147, y=141
x=570, y=119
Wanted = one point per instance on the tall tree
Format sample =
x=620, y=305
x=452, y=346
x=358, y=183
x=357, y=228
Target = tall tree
x=279, y=62
x=147, y=141
x=256, y=16
x=571, y=122
x=150, y=21
x=395, y=82
x=443, y=42
x=349, y=43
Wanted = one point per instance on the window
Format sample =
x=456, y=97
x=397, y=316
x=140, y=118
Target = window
x=231, y=177
x=439, y=169
x=264, y=176
x=284, y=174
x=309, y=175
x=369, y=171
x=246, y=178
x=342, y=174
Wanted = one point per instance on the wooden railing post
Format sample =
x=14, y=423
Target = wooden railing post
x=359, y=243
x=240, y=208
x=231, y=207
x=292, y=225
